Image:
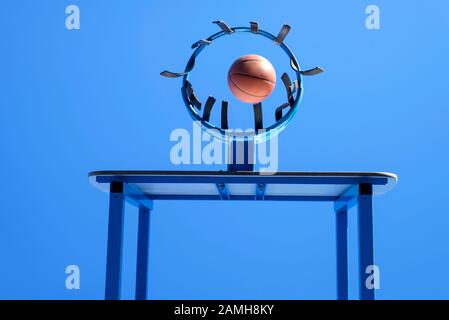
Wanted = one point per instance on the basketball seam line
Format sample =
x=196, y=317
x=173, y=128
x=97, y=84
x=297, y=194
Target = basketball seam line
x=250, y=60
x=251, y=76
x=244, y=91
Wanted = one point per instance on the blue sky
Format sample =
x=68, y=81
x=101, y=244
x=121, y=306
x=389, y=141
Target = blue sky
x=92, y=99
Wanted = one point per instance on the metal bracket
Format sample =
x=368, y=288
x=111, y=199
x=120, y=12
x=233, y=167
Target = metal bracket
x=260, y=191
x=223, y=191
x=349, y=198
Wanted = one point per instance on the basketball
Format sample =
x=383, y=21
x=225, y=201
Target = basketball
x=251, y=78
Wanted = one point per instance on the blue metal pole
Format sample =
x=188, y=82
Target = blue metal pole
x=115, y=240
x=241, y=155
x=342, y=253
x=142, y=253
x=366, y=251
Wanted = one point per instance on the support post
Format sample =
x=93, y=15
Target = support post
x=365, y=237
x=341, y=219
x=115, y=240
x=240, y=155
x=142, y=253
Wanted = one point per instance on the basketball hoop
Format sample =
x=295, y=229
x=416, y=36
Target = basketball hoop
x=294, y=90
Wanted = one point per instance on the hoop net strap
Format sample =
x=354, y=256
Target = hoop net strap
x=208, y=108
x=224, y=115
x=258, y=123
x=312, y=72
x=192, y=96
x=170, y=74
x=254, y=27
x=224, y=26
x=202, y=42
x=278, y=112
x=282, y=34
x=289, y=87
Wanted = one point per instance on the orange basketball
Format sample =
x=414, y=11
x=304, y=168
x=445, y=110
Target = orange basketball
x=251, y=78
